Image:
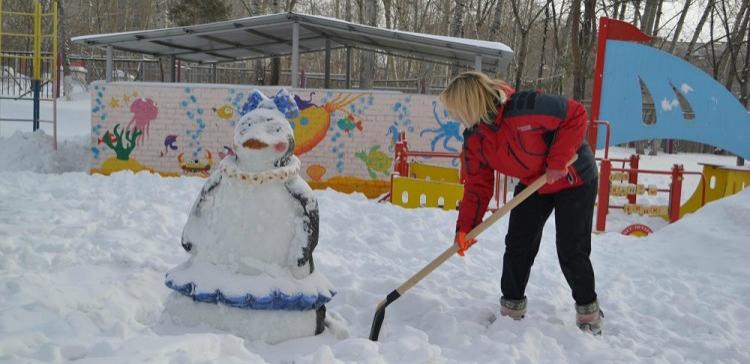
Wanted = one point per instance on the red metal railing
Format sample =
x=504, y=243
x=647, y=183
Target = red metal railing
x=675, y=190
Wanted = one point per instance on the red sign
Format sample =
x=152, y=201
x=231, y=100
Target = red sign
x=637, y=230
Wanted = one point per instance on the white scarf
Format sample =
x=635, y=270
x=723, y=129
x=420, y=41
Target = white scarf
x=228, y=168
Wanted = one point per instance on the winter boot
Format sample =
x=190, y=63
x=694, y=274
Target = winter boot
x=589, y=318
x=515, y=309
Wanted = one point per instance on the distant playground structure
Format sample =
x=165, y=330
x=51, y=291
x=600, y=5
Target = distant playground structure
x=29, y=63
x=689, y=105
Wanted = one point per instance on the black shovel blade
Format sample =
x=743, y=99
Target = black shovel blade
x=377, y=321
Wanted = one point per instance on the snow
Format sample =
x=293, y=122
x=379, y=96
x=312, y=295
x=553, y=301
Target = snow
x=83, y=259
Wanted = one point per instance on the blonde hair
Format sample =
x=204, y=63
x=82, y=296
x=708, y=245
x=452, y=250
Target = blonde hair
x=472, y=97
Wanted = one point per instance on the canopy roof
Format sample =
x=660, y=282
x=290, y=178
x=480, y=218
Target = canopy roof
x=272, y=35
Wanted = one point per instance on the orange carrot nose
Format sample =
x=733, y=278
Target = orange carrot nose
x=254, y=144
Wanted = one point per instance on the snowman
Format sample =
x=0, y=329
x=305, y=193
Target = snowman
x=251, y=234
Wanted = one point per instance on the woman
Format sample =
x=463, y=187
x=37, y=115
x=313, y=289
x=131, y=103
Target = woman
x=527, y=135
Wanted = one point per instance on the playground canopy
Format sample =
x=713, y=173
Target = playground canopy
x=291, y=33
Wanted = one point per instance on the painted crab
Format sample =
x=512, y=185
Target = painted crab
x=196, y=167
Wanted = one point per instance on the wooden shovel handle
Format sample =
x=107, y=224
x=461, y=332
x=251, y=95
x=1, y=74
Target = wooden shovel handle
x=502, y=211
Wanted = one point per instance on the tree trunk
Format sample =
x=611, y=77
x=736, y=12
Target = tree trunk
x=745, y=72
x=457, y=28
x=734, y=39
x=521, y=58
x=275, y=61
x=348, y=10
x=615, y=10
x=680, y=23
x=649, y=15
x=540, y=72
x=658, y=18
x=64, y=49
x=623, y=9
x=586, y=45
x=367, y=58
x=497, y=22
x=259, y=77
x=387, y=6
x=575, y=46
x=698, y=28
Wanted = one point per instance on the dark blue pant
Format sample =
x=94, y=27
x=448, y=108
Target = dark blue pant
x=574, y=210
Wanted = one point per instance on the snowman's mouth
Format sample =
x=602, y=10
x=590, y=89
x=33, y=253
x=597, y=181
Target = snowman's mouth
x=254, y=144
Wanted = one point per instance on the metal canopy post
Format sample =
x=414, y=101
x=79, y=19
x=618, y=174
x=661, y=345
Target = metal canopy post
x=348, y=67
x=213, y=73
x=327, y=78
x=109, y=63
x=295, y=55
x=173, y=68
x=478, y=63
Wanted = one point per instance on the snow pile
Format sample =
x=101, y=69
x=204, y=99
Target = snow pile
x=83, y=259
x=34, y=152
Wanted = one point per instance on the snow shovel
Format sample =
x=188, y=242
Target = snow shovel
x=377, y=322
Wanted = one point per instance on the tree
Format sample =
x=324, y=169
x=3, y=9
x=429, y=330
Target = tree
x=190, y=12
x=680, y=23
x=367, y=58
x=276, y=61
x=457, y=28
x=524, y=27
x=699, y=28
x=64, y=49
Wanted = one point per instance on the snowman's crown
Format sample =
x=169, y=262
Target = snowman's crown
x=282, y=101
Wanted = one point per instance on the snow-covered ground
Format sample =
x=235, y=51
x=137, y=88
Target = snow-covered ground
x=83, y=257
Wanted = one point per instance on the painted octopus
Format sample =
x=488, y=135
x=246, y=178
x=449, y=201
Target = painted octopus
x=144, y=112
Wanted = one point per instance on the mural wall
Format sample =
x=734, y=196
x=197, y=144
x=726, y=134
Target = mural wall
x=345, y=138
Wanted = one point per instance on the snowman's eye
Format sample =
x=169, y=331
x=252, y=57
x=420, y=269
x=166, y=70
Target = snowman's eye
x=278, y=130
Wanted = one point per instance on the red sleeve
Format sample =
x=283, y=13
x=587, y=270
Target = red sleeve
x=478, y=187
x=569, y=136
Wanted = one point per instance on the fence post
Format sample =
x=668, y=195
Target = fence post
x=602, y=207
x=675, y=192
x=402, y=151
x=633, y=175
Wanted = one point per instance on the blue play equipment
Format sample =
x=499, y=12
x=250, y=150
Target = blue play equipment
x=689, y=104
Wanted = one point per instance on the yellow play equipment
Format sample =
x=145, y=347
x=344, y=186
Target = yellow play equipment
x=427, y=186
x=722, y=181
x=416, y=184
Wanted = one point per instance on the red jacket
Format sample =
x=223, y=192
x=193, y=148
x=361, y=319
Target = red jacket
x=531, y=133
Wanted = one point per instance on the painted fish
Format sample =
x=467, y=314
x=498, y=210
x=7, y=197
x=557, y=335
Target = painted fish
x=348, y=123
x=112, y=139
x=225, y=112
x=312, y=123
x=169, y=143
